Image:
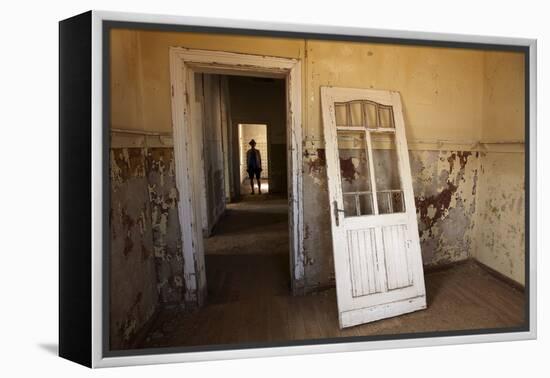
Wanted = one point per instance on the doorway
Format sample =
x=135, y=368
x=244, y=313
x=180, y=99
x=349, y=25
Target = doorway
x=247, y=247
x=249, y=132
x=189, y=139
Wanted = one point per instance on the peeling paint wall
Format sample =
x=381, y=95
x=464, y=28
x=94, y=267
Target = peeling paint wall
x=500, y=230
x=318, y=258
x=133, y=295
x=500, y=235
x=457, y=95
x=445, y=185
x=145, y=248
x=163, y=196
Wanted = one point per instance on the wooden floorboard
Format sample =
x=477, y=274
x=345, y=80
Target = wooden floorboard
x=461, y=298
x=249, y=298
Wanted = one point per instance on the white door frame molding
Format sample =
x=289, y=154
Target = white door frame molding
x=184, y=63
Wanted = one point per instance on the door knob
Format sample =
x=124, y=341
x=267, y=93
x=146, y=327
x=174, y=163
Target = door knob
x=337, y=212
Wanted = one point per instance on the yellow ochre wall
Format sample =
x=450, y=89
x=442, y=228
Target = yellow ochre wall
x=140, y=71
x=500, y=230
x=442, y=88
x=503, y=97
x=460, y=96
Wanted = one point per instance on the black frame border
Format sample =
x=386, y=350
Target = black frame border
x=75, y=189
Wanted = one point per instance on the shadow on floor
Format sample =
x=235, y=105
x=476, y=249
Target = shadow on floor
x=467, y=298
x=252, y=227
x=51, y=348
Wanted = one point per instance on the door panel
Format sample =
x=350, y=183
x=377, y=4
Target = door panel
x=395, y=250
x=362, y=249
x=374, y=228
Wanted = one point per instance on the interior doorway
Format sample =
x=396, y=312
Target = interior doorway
x=246, y=246
x=203, y=180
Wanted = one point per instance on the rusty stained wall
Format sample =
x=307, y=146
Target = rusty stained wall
x=146, y=265
x=445, y=186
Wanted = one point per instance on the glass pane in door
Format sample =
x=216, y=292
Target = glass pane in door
x=349, y=113
x=371, y=114
x=386, y=116
x=356, y=186
x=389, y=191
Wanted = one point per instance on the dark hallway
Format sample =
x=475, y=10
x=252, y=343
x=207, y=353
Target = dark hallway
x=247, y=258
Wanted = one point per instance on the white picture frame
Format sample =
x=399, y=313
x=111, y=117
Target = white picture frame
x=100, y=357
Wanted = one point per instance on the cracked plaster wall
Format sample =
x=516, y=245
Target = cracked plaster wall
x=500, y=235
x=444, y=185
x=146, y=265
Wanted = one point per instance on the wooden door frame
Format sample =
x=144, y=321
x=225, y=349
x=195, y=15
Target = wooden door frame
x=184, y=63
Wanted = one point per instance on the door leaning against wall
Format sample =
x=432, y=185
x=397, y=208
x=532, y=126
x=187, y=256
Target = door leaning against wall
x=376, y=248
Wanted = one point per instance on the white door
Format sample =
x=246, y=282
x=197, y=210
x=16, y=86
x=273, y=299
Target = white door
x=375, y=240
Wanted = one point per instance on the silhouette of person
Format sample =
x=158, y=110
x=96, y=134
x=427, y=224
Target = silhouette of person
x=254, y=166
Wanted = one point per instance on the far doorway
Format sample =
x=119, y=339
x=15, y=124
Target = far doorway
x=249, y=132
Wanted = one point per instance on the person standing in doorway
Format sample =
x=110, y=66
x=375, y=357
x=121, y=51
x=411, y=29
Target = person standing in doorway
x=254, y=166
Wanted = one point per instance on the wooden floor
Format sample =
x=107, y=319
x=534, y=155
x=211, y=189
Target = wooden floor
x=249, y=295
